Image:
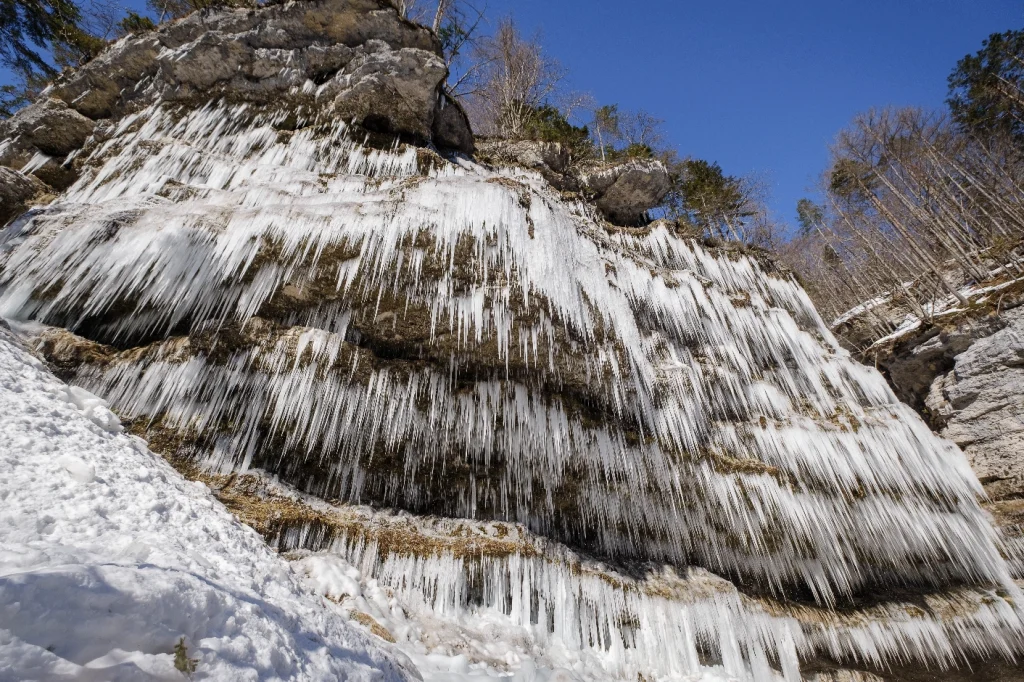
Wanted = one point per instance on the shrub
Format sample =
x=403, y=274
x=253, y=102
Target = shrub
x=547, y=123
x=182, y=662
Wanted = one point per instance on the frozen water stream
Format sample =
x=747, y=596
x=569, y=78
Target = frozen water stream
x=442, y=336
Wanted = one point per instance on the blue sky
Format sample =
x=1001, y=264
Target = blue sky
x=762, y=86
x=759, y=86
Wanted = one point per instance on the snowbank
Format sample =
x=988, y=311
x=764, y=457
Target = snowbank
x=108, y=557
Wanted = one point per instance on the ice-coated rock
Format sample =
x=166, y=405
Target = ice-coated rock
x=250, y=281
x=16, y=189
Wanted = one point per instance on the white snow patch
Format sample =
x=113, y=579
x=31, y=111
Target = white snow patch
x=108, y=557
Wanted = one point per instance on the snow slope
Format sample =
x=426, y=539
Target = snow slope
x=108, y=557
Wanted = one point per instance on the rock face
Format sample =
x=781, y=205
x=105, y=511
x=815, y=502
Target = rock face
x=15, y=192
x=655, y=459
x=350, y=60
x=979, y=404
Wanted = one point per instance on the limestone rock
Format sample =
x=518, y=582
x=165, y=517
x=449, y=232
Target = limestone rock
x=16, y=189
x=356, y=59
x=980, y=405
x=391, y=91
x=913, y=371
x=626, y=191
x=50, y=126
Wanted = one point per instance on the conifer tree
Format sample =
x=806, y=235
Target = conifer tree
x=985, y=89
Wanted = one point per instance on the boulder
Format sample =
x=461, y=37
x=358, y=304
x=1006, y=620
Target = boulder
x=626, y=191
x=16, y=190
x=394, y=91
x=49, y=126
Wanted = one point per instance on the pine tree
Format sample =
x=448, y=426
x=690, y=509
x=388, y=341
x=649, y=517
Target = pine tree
x=985, y=89
x=28, y=28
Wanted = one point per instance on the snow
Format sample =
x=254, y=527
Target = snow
x=934, y=310
x=108, y=557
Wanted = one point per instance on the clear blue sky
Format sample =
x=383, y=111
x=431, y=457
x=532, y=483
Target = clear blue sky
x=761, y=86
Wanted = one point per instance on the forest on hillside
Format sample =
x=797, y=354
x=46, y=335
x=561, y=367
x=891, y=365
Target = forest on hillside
x=914, y=205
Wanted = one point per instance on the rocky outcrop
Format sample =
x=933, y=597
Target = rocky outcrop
x=354, y=61
x=550, y=159
x=979, y=404
x=622, y=191
x=16, y=190
x=49, y=126
x=625, y=192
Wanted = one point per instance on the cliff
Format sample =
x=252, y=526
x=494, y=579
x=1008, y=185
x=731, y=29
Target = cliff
x=591, y=451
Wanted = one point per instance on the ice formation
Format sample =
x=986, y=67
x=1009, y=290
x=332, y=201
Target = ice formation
x=388, y=327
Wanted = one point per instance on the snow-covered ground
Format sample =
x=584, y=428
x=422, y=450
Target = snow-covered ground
x=936, y=309
x=108, y=557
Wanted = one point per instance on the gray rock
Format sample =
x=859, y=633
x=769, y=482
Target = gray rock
x=16, y=190
x=913, y=371
x=625, y=192
x=356, y=59
x=980, y=405
x=49, y=126
x=546, y=157
x=451, y=127
x=392, y=91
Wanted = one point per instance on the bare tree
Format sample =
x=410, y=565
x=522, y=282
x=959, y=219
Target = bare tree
x=916, y=210
x=515, y=79
x=641, y=129
x=457, y=23
x=443, y=8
